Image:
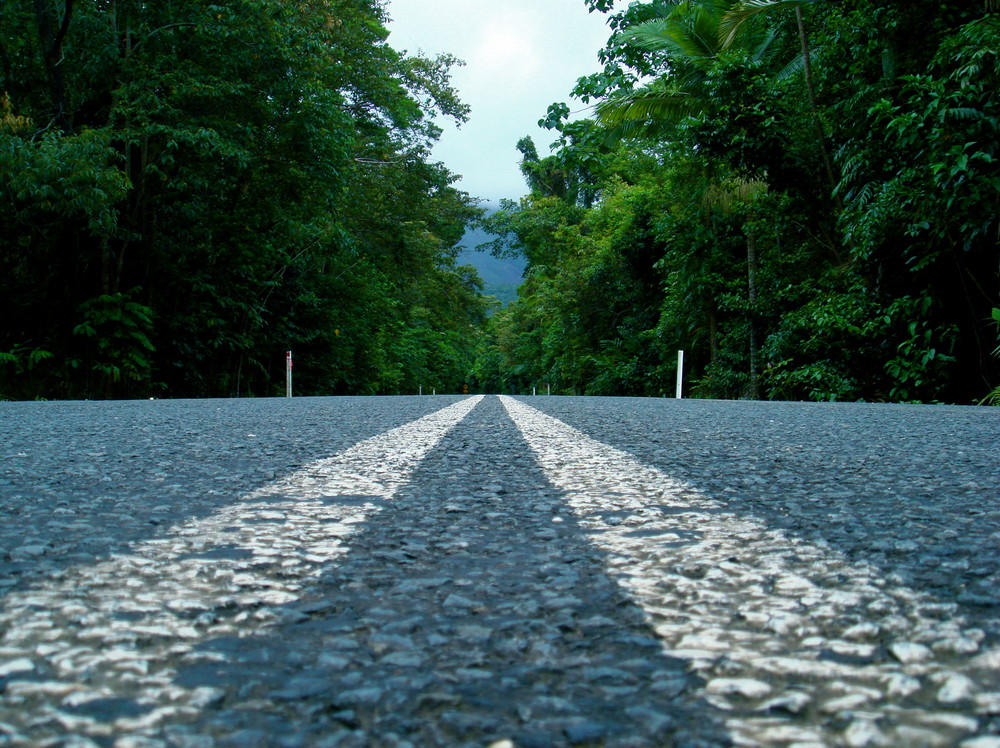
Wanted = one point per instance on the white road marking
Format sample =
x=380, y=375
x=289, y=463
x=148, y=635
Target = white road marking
x=111, y=629
x=777, y=626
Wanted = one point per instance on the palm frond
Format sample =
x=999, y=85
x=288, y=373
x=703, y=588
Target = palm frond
x=965, y=113
x=666, y=106
x=701, y=24
x=647, y=112
x=669, y=36
x=637, y=130
x=763, y=48
x=651, y=35
x=733, y=21
x=792, y=69
x=683, y=33
x=994, y=397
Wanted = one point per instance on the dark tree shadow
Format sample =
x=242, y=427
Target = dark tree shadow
x=82, y=480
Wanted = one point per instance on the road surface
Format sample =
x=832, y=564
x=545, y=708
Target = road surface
x=498, y=572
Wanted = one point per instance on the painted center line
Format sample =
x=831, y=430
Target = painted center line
x=797, y=644
x=107, y=637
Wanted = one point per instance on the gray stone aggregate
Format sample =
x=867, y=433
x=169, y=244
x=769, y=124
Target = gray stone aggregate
x=636, y=573
x=80, y=479
x=913, y=490
x=777, y=623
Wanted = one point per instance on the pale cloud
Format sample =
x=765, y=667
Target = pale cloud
x=508, y=50
x=521, y=55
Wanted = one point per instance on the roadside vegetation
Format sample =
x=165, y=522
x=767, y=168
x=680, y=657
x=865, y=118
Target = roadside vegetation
x=801, y=195
x=189, y=189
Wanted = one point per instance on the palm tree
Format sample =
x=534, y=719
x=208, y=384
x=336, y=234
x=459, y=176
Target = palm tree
x=689, y=37
x=729, y=29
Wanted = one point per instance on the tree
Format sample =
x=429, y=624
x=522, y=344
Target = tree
x=730, y=27
x=694, y=38
x=819, y=222
x=188, y=192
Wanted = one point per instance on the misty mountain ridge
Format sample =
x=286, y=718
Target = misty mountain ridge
x=501, y=275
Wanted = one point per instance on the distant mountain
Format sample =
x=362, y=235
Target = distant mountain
x=501, y=276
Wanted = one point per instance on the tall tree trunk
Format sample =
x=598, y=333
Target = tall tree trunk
x=811, y=93
x=51, y=40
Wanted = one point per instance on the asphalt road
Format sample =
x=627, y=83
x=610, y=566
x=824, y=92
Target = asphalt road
x=498, y=572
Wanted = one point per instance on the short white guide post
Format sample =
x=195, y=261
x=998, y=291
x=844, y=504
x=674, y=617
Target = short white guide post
x=288, y=374
x=680, y=375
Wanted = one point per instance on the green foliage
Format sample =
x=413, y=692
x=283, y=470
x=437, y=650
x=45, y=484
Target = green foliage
x=923, y=355
x=823, y=350
x=801, y=195
x=993, y=398
x=57, y=177
x=24, y=358
x=192, y=189
x=119, y=330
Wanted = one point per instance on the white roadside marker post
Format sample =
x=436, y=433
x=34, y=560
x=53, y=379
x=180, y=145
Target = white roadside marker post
x=680, y=374
x=288, y=374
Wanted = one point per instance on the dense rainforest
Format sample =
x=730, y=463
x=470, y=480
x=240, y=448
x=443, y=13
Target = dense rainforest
x=189, y=189
x=803, y=195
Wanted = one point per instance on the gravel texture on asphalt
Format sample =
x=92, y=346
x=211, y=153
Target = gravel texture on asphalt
x=499, y=572
x=778, y=623
x=79, y=480
x=912, y=490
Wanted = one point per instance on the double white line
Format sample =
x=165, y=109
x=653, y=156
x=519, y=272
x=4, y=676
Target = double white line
x=751, y=608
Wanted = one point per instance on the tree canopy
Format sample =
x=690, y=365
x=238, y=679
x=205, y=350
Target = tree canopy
x=190, y=189
x=801, y=195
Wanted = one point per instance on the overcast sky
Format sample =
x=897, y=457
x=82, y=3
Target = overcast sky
x=521, y=55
